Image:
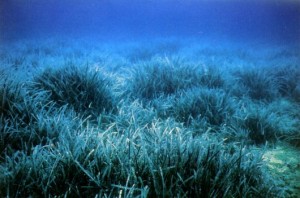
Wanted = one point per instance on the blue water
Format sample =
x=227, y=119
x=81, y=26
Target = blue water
x=265, y=21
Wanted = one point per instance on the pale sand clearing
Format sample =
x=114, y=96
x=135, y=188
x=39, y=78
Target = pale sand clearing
x=284, y=164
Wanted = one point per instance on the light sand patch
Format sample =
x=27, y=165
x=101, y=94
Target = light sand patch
x=284, y=165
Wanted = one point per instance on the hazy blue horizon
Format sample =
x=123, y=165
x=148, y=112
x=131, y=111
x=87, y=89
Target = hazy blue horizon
x=265, y=21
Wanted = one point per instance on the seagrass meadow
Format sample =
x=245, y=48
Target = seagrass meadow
x=150, y=98
x=172, y=118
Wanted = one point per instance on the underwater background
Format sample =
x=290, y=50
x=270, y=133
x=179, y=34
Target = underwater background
x=271, y=21
x=149, y=98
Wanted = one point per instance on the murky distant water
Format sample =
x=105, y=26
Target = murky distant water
x=275, y=21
